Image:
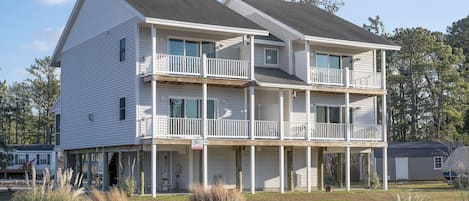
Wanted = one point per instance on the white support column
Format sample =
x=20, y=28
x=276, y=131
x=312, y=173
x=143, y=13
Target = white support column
x=153, y=47
x=253, y=169
x=251, y=62
x=308, y=114
x=204, y=111
x=308, y=62
x=252, y=112
x=383, y=69
x=384, y=121
x=347, y=168
x=281, y=156
x=205, y=167
x=153, y=170
x=153, y=82
x=347, y=131
x=290, y=57
x=281, y=115
x=347, y=77
x=204, y=65
x=308, y=168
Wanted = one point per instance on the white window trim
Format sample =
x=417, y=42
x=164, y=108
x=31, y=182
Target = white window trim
x=278, y=56
x=434, y=162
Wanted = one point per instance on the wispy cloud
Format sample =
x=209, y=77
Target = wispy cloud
x=53, y=2
x=45, y=40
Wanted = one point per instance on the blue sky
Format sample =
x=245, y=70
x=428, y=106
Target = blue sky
x=31, y=28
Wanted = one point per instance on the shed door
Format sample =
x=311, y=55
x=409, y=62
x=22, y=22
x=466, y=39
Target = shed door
x=402, y=168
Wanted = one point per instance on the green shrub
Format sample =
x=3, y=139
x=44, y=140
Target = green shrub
x=374, y=180
x=128, y=186
x=461, y=182
x=329, y=180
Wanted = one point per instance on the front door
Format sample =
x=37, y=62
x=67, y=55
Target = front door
x=402, y=168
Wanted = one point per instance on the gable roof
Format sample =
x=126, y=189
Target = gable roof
x=200, y=11
x=418, y=149
x=316, y=23
x=187, y=13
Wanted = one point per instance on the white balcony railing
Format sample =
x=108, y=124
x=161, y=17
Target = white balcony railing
x=239, y=129
x=327, y=76
x=362, y=132
x=194, y=66
x=363, y=79
x=227, y=128
x=328, y=131
x=295, y=130
x=228, y=68
x=337, y=77
x=267, y=129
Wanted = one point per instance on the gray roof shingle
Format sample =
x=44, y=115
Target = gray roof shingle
x=277, y=76
x=417, y=149
x=201, y=11
x=313, y=21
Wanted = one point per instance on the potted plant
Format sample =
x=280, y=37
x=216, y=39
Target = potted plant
x=329, y=181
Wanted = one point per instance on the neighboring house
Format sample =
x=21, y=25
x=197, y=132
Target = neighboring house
x=415, y=160
x=20, y=157
x=251, y=93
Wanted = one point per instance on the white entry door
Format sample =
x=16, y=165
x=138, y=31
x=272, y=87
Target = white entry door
x=402, y=168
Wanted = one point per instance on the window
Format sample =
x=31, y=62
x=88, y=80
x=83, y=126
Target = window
x=22, y=159
x=327, y=114
x=437, y=162
x=57, y=129
x=191, y=108
x=334, y=61
x=42, y=159
x=122, y=49
x=191, y=48
x=271, y=56
x=122, y=108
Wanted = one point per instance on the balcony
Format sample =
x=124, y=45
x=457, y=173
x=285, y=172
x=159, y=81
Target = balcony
x=183, y=128
x=175, y=65
x=345, y=77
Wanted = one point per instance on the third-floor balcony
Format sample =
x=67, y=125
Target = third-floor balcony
x=345, y=78
x=176, y=65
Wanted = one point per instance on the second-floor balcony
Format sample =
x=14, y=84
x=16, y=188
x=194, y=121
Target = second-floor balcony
x=186, y=128
x=176, y=65
x=345, y=78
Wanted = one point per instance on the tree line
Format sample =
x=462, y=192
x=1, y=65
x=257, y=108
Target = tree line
x=428, y=82
x=25, y=107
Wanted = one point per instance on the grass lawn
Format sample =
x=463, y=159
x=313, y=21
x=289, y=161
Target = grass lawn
x=430, y=191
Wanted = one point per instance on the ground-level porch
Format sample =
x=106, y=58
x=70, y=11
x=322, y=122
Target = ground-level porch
x=174, y=168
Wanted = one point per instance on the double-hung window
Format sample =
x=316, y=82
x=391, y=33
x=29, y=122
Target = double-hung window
x=270, y=56
x=122, y=48
x=437, y=162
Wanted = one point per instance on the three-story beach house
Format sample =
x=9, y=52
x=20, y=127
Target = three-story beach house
x=252, y=93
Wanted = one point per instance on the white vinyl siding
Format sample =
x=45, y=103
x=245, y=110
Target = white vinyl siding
x=92, y=21
x=93, y=80
x=364, y=111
